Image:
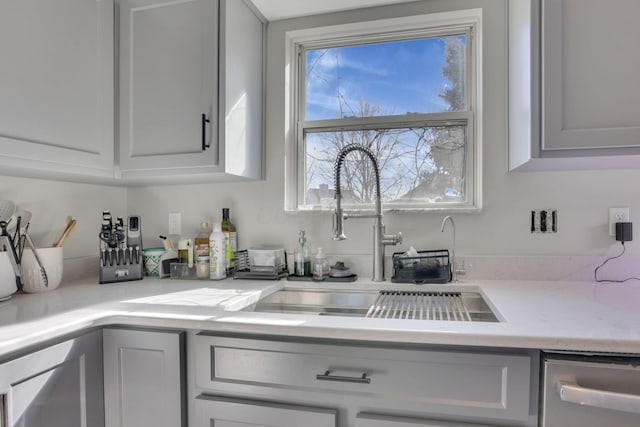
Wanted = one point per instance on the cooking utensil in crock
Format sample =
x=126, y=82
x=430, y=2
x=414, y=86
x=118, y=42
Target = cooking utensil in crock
x=43, y=272
x=65, y=226
x=65, y=234
x=7, y=209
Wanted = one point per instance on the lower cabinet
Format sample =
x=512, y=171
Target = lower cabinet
x=227, y=412
x=269, y=382
x=59, y=386
x=373, y=420
x=144, y=378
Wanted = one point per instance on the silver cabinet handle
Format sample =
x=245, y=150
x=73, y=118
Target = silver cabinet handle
x=328, y=377
x=573, y=393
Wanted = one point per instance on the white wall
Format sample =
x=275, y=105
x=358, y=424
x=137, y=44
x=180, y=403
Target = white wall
x=51, y=201
x=582, y=198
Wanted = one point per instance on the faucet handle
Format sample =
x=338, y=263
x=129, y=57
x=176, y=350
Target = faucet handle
x=392, y=239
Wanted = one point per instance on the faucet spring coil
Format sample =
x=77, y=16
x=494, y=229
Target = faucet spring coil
x=340, y=160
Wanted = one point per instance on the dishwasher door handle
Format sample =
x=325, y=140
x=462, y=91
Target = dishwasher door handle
x=571, y=392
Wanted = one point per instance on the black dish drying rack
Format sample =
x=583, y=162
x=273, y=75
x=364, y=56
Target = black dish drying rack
x=427, y=267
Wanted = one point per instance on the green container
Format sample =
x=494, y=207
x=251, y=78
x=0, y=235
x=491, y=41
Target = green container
x=152, y=261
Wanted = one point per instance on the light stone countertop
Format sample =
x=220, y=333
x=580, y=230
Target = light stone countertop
x=581, y=316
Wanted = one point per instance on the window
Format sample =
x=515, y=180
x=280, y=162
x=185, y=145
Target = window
x=407, y=90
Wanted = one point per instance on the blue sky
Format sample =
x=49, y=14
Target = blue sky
x=400, y=77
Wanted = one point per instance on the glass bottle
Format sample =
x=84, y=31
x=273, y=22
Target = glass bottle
x=201, y=242
x=320, y=266
x=232, y=239
x=302, y=263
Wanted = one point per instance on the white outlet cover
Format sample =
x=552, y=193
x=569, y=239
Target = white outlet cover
x=617, y=215
x=175, y=223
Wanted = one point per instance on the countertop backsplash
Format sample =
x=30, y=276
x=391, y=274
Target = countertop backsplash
x=541, y=268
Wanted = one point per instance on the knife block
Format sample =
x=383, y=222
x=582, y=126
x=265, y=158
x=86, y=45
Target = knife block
x=121, y=269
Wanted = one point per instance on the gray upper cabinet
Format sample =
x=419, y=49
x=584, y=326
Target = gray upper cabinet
x=56, y=88
x=59, y=386
x=573, y=92
x=191, y=90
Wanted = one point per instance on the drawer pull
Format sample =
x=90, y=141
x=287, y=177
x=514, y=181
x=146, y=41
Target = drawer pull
x=328, y=377
x=599, y=398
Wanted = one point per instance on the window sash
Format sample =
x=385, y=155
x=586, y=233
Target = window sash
x=389, y=122
x=466, y=22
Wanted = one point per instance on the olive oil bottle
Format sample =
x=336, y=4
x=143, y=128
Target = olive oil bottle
x=232, y=239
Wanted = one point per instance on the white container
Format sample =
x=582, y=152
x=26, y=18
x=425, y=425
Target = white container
x=260, y=259
x=52, y=260
x=217, y=253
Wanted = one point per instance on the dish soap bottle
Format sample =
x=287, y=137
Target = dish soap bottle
x=302, y=263
x=320, y=266
x=232, y=239
x=217, y=258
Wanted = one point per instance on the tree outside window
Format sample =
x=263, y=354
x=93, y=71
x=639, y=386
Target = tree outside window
x=403, y=99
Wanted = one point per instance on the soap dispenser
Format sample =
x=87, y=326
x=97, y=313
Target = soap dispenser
x=320, y=266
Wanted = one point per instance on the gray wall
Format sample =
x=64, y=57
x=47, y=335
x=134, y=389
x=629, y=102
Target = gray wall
x=582, y=198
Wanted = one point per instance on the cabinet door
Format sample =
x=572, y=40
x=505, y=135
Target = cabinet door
x=227, y=412
x=144, y=378
x=60, y=386
x=168, y=80
x=56, y=87
x=374, y=420
x=241, y=89
x=590, y=66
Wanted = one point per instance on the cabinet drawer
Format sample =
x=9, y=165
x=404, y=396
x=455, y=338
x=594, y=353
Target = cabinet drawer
x=450, y=382
x=223, y=411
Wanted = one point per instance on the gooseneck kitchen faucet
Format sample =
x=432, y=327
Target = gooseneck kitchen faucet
x=380, y=239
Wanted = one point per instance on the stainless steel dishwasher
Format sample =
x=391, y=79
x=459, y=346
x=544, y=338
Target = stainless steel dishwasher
x=590, y=390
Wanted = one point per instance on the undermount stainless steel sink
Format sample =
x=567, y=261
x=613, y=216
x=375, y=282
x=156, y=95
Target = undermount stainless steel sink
x=469, y=306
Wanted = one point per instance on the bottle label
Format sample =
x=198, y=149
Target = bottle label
x=231, y=248
x=217, y=258
x=201, y=249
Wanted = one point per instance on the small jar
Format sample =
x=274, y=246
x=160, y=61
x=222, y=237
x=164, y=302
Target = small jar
x=320, y=266
x=202, y=267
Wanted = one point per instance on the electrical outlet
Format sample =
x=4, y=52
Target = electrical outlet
x=617, y=215
x=544, y=221
x=174, y=223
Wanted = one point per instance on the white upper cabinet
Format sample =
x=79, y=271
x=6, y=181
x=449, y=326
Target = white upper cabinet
x=56, y=88
x=574, y=101
x=178, y=117
x=168, y=75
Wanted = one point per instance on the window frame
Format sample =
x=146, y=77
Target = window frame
x=464, y=22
